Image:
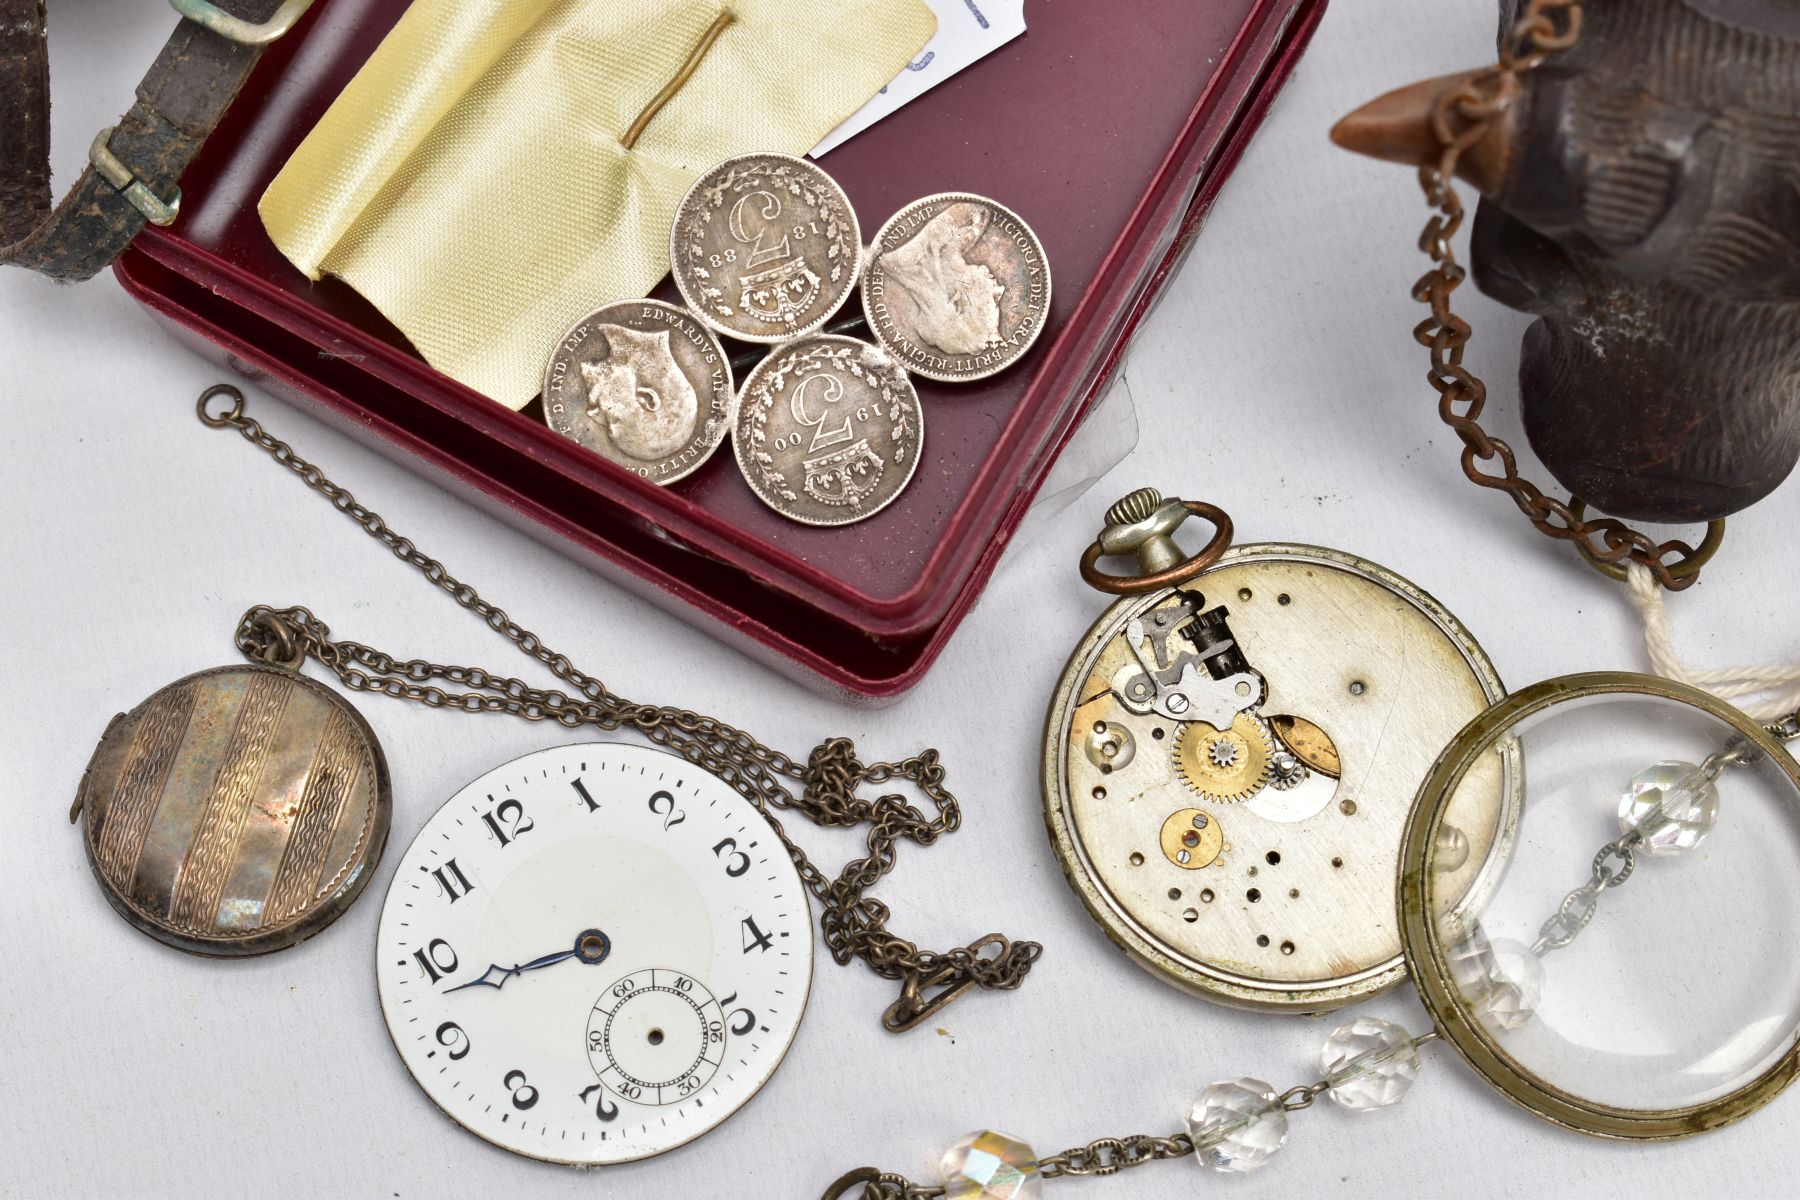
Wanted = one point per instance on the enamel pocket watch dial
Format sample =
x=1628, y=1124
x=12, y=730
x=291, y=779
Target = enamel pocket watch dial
x=594, y=954
x=1229, y=761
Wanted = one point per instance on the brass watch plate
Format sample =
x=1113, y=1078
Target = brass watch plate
x=1175, y=834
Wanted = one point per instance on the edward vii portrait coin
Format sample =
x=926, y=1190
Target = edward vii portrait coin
x=828, y=430
x=765, y=247
x=643, y=384
x=957, y=287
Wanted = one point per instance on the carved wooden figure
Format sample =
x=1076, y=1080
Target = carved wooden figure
x=1642, y=198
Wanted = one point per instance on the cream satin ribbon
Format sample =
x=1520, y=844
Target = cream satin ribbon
x=473, y=182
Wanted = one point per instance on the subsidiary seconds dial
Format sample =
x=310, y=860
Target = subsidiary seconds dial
x=656, y=1036
x=594, y=954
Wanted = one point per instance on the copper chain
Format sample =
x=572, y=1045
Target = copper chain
x=854, y=924
x=1462, y=118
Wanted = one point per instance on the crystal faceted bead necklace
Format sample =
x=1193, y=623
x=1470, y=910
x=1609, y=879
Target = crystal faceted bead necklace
x=1239, y=1125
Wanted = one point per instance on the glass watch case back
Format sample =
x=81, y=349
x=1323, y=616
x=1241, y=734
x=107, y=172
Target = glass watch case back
x=1250, y=855
x=1635, y=985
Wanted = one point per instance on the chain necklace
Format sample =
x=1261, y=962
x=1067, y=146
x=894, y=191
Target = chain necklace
x=854, y=924
x=1461, y=120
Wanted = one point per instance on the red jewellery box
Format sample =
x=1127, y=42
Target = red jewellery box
x=1109, y=127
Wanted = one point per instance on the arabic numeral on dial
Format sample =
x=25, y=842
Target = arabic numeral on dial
x=596, y=1039
x=581, y=790
x=754, y=938
x=715, y=1031
x=663, y=805
x=736, y=861
x=450, y=877
x=507, y=820
x=631, y=1091
x=624, y=988
x=523, y=1094
x=437, y=959
x=688, y=1085
x=605, y=1109
x=738, y=1028
x=451, y=1035
x=684, y=984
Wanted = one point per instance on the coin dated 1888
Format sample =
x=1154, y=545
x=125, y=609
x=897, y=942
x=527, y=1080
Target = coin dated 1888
x=957, y=287
x=828, y=430
x=643, y=384
x=765, y=247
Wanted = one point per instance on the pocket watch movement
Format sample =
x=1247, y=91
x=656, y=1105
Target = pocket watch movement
x=1232, y=749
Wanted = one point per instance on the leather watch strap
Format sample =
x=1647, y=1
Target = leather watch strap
x=180, y=100
x=25, y=131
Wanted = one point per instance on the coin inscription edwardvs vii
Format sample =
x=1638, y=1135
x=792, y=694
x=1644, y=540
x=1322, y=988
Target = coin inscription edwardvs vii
x=765, y=247
x=828, y=430
x=957, y=287
x=643, y=384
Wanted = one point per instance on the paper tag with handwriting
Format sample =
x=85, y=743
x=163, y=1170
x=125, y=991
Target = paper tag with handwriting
x=968, y=30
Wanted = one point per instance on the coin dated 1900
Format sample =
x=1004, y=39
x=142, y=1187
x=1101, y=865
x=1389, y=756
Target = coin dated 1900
x=643, y=384
x=957, y=287
x=828, y=430
x=765, y=247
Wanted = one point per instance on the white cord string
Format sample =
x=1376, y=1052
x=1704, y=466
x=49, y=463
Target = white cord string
x=1780, y=686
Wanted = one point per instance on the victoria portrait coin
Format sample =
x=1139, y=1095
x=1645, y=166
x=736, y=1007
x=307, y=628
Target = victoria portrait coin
x=594, y=954
x=642, y=384
x=957, y=287
x=765, y=247
x=237, y=811
x=828, y=430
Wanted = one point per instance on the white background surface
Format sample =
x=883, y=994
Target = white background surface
x=1277, y=378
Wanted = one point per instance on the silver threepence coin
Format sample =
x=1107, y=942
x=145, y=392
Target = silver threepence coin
x=957, y=287
x=765, y=247
x=643, y=384
x=828, y=430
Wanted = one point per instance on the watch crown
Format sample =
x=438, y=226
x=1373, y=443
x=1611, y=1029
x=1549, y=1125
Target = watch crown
x=1135, y=507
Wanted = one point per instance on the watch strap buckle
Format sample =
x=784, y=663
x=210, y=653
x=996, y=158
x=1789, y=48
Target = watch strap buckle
x=211, y=17
x=156, y=210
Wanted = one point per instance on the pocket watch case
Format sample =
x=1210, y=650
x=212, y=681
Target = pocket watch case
x=237, y=811
x=1115, y=186
x=1229, y=762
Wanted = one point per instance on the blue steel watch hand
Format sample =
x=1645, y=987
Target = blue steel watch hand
x=591, y=947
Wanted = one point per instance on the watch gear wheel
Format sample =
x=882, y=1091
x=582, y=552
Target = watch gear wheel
x=1225, y=765
x=1286, y=771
